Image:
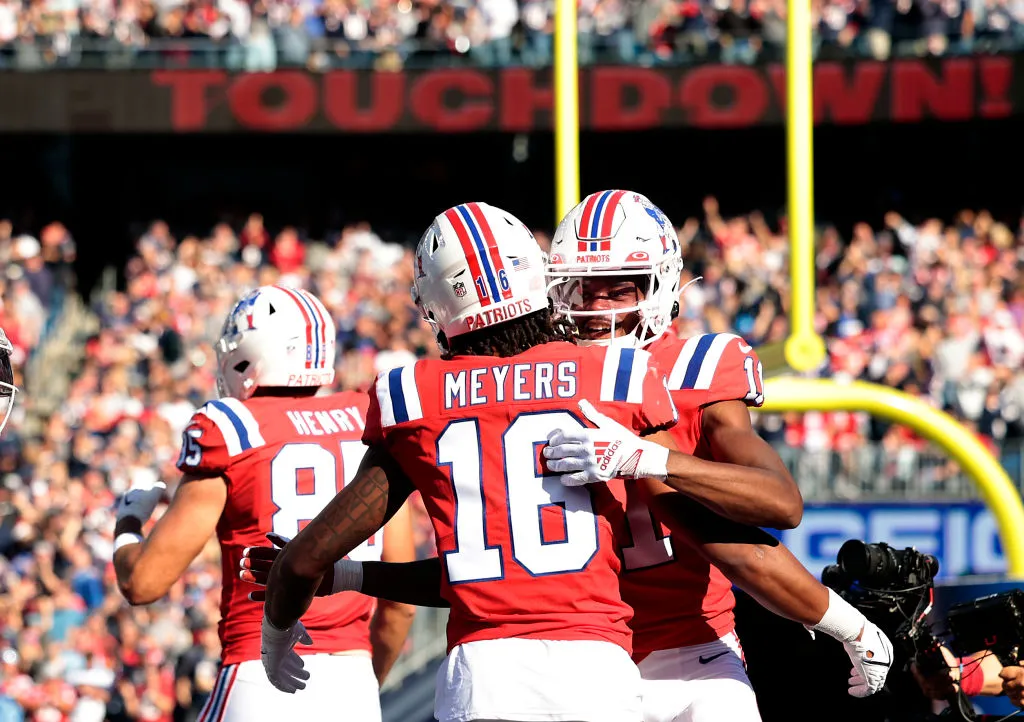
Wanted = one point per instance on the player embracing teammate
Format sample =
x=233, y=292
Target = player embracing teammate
x=524, y=554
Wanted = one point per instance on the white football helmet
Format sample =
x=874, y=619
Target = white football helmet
x=477, y=266
x=275, y=337
x=7, y=388
x=617, y=233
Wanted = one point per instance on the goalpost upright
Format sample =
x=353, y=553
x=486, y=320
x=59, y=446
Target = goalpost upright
x=804, y=350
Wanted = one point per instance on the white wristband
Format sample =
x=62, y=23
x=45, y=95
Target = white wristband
x=841, y=620
x=348, y=576
x=125, y=539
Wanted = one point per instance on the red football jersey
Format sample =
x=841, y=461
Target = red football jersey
x=679, y=599
x=280, y=458
x=523, y=555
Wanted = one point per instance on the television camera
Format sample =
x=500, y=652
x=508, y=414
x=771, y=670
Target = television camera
x=895, y=589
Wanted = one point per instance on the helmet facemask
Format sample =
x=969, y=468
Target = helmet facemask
x=656, y=306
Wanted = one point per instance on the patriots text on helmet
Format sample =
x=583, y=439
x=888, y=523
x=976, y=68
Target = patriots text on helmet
x=510, y=382
x=490, y=316
x=318, y=379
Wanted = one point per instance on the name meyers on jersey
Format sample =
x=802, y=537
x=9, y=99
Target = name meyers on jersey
x=331, y=421
x=515, y=382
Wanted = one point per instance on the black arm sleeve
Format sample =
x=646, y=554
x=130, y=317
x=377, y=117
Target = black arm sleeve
x=416, y=582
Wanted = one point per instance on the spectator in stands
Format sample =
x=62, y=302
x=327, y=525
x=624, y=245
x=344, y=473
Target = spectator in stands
x=934, y=309
x=265, y=34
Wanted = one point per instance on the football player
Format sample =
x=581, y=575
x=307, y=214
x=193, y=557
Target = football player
x=615, y=265
x=266, y=458
x=622, y=290
x=538, y=630
x=7, y=388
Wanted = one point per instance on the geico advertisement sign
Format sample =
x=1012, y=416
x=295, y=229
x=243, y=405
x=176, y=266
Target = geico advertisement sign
x=963, y=537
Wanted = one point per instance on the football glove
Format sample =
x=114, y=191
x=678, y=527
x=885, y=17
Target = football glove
x=281, y=662
x=872, y=660
x=589, y=456
x=346, y=576
x=140, y=500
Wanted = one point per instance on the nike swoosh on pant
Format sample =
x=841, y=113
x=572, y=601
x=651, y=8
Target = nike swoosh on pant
x=712, y=658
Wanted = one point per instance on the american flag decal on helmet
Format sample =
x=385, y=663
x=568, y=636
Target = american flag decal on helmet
x=596, y=222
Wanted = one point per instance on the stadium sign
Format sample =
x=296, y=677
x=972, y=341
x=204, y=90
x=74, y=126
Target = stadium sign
x=509, y=100
x=964, y=537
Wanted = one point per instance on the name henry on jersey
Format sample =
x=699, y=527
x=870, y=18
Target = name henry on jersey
x=330, y=421
x=538, y=381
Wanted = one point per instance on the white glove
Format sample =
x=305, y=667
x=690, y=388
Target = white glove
x=282, y=664
x=872, y=659
x=140, y=500
x=588, y=456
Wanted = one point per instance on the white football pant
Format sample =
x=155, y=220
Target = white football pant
x=537, y=680
x=339, y=687
x=702, y=683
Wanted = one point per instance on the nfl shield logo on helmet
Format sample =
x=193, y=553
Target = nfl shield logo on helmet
x=460, y=289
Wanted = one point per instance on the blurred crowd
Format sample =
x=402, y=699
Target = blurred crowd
x=935, y=310
x=261, y=35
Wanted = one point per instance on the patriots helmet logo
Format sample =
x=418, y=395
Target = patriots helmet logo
x=662, y=220
x=245, y=307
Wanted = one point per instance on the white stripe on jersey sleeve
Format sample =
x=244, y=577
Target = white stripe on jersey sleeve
x=711, y=359
x=610, y=373
x=232, y=441
x=675, y=379
x=387, y=411
x=252, y=426
x=641, y=359
x=412, y=394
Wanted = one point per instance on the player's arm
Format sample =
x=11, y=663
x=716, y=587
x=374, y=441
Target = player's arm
x=747, y=482
x=365, y=504
x=750, y=495
x=391, y=622
x=417, y=583
x=147, y=567
x=760, y=565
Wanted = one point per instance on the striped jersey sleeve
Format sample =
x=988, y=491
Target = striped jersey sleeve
x=394, y=399
x=718, y=367
x=630, y=376
x=218, y=433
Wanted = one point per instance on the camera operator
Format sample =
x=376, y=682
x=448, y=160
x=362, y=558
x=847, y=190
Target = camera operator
x=1012, y=677
x=975, y=674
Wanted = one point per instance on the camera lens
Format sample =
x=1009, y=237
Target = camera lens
x=871, y=563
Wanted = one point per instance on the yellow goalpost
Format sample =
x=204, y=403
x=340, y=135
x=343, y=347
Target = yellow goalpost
x=804, y=350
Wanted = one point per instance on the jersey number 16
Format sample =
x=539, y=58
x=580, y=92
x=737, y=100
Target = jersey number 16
x=528, y=492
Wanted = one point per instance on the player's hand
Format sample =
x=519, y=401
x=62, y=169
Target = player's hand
x=871, y=655
x=140, y=500
x=1013, y=684
x=588, y=456
x=282, y=664
x=345, y=575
